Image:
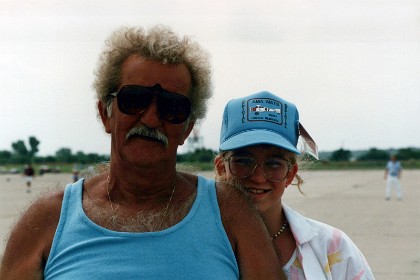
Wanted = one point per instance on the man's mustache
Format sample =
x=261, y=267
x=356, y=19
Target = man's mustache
x=148, y=132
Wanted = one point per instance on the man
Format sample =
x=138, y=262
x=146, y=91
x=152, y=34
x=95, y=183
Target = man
x=392, y=175
x=140, y=218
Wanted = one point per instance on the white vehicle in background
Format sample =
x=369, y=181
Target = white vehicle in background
x=259, y=108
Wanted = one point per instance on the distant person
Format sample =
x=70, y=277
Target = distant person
x=28, y=173
x=141, y=218
x=75, y=173
x=258, y=154
x=392, y=176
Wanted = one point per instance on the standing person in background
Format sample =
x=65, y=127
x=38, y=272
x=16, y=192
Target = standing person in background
x=258, y=154
x=392, y=176
x=140, y=218
x=75, y=173
x=28, y=173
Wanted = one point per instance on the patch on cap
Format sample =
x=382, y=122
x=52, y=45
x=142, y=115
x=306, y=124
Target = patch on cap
x=265, y=109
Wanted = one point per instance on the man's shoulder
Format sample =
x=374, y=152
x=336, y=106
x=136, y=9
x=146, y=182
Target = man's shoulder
x=231, y=192
x=234, y=203
x=31, y=238
x=45, y=207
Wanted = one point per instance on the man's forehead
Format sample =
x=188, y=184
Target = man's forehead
x=145, y=72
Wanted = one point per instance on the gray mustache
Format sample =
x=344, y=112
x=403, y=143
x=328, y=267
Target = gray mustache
x=148, y=132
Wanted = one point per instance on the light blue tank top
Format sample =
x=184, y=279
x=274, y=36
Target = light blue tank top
x=195, y=248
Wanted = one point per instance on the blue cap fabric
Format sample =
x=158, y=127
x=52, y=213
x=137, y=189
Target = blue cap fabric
x=260, y=118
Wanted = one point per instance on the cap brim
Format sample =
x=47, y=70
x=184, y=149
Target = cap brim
x=257, y=137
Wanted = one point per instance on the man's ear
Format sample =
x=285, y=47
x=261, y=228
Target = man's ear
x=187, y=132
x=102, y=110
x=292, y=173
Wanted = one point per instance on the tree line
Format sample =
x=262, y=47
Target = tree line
x=374, y=154
x=23, y=154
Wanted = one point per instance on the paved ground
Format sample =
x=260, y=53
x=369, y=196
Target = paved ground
x=387, y=232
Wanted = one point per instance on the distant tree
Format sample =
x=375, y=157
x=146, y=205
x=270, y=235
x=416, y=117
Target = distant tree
x=5, y=157
x=408, y=153
x=21, y=153
x=340, y=155
x=50, y=159
x=374, y=154
x=80, y=157
x=64, y=155
x=45, y=160
x=198, y=155
x=95, y=158
x=33, y=143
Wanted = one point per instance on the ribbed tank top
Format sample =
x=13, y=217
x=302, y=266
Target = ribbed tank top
x=195, y=248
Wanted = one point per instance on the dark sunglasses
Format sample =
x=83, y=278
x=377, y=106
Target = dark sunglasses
x=135, y=100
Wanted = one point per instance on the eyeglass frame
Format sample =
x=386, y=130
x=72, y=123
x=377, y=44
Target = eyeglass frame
x=289, y=165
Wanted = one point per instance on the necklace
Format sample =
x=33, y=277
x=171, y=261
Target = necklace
x=282, y=229
x=166, y=208
x=169, y=202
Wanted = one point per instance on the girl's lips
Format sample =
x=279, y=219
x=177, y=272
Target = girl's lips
x=256, y=191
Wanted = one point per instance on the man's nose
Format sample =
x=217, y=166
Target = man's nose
x=150, y=117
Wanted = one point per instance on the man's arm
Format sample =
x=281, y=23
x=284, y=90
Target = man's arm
x=248, y=235
x=30, y=240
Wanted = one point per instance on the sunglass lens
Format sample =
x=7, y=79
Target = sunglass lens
x=174, y=108
x=134, y=100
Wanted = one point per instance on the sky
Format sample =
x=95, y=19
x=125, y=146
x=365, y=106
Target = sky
x=350, y=66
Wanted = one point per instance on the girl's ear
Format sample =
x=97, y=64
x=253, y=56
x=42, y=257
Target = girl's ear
x=292, y=173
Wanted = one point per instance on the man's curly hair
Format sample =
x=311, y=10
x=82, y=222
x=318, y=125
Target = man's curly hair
x=159, y=43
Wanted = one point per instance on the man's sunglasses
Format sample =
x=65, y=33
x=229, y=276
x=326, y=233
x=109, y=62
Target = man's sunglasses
x=135, y=100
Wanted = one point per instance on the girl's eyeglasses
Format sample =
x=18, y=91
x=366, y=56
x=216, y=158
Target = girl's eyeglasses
x=275, y=169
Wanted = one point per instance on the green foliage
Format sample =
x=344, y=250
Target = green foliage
x=33, y=143
x=374, y=155
x=340, y=155
x=201, y=155
x=21, y=154
x=5, y=157
x=408, y=154
x=358, y=165
x=64, y=155
x=202, y=159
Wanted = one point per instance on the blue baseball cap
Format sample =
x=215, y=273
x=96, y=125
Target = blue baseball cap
x=260, y=118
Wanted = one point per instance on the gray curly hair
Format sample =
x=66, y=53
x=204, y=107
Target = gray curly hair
x=159, y=43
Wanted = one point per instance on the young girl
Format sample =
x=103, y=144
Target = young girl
x=258, y=153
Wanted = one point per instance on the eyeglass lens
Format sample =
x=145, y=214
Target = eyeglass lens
x=274, y=168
